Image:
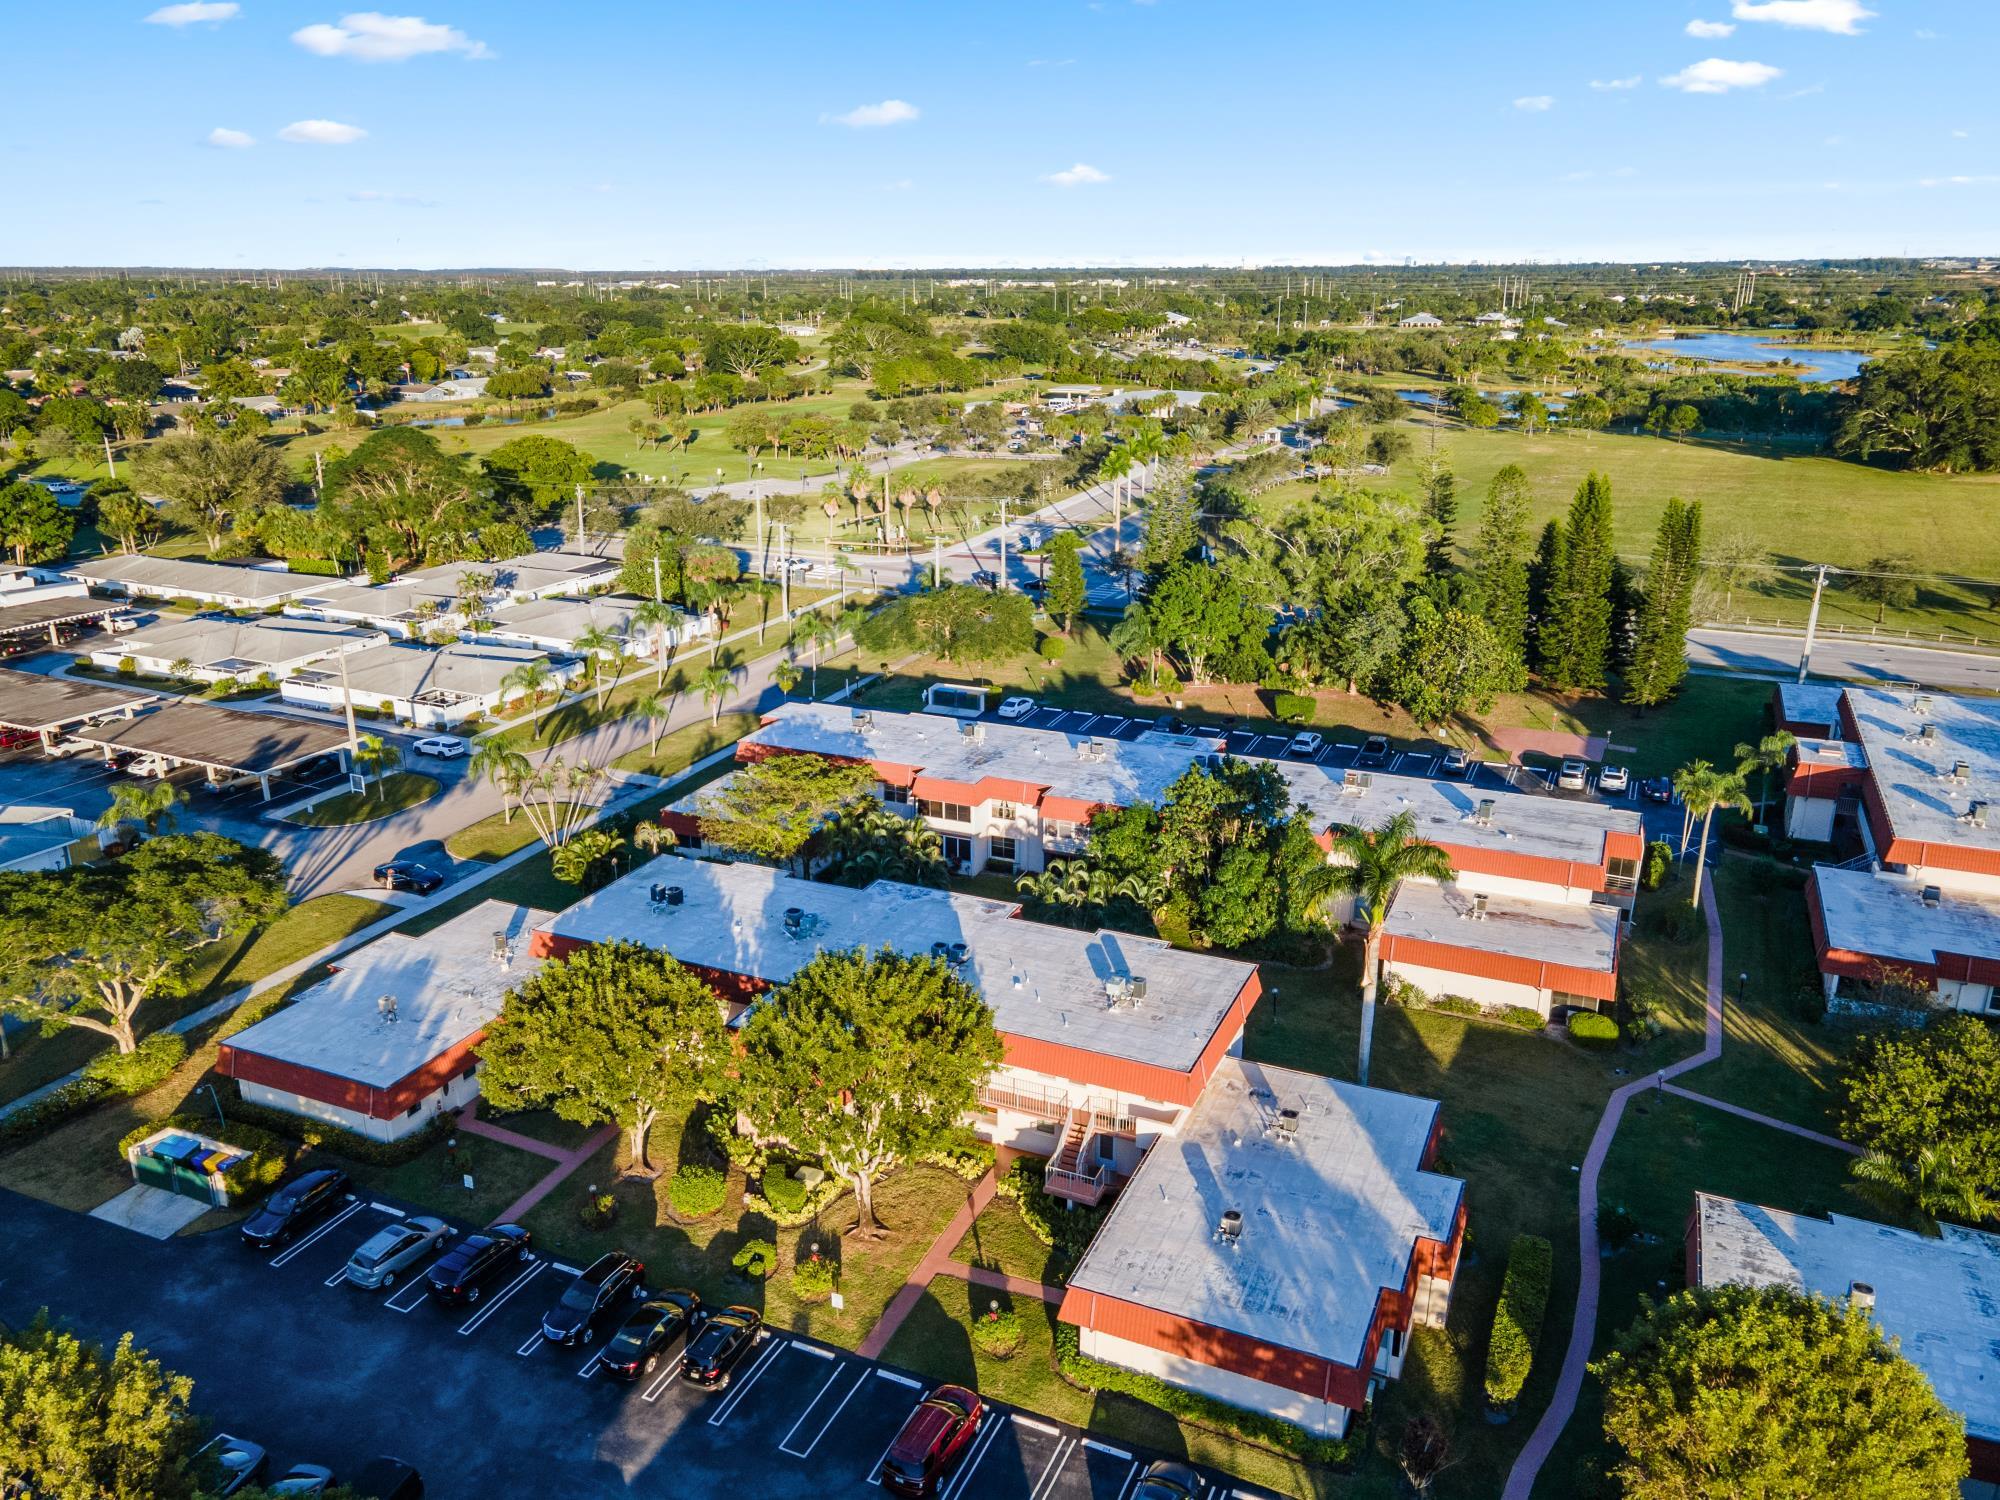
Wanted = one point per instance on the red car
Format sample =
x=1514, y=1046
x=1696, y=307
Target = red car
x=934, y=1438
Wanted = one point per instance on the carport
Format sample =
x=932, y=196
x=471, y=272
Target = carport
x=49, y=706
x=222, y=742
x=32, y=617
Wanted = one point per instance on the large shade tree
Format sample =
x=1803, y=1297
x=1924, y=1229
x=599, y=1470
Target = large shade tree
x=1735, y=1391
x=212, y=486
x=771, y=808
x=617, y=1033
x=863, y=1060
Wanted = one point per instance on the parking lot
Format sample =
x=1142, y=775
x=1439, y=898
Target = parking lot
x=285, y=1353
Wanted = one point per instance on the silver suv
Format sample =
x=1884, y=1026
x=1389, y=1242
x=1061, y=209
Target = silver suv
x=388, y=1253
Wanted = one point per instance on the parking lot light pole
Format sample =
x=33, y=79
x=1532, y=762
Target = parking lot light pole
x=215, y=1099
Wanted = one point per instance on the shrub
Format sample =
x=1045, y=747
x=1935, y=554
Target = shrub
x=1675, y=920
x=598, y=1210
x=997, y=1332
x=1517, y=1321
x=127, y=667
x=1659, y=864
x=141, y=1070
x=270, y=1154
x=961, y=1153
x=756, y=1259
x=1054, y=1223
x=697, y=1191
x=1617, y=1225
x=1589, y=1029
x=1291, y=708
x=813, y=1279
x=1053, y=647
x=318, y=567
x=784, y=1192
x=348, y=1143
x=1522, y=1016
x=1080, y=1370
x=51, y=1110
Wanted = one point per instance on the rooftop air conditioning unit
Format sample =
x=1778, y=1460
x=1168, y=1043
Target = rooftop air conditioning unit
x=386, y=1009
x=1861, y=1295
x=795, y=921
x=1229, y=1228
x=1932, y=896
x=1479, y=906
x=1483, y=814
x=1137, y=986
x=1287, y=1124
x=863, y=719
x=675, y=896
x=1356, y=781
x=1961, y=771
x=1922, y=704
x=503, y=951
x=1929, y=734
x=1975, y=814
x=959, y=952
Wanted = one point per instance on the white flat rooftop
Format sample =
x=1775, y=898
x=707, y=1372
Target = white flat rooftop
x=389, y=601
x=1582, y=935
x=405, y=669
x=1068, y=765
x=1329, y=1221
x=1835, y=755
x=530, y=573
x=1809, y=703
x=274, y=642
x=1916, y=777
x=170, y=576
x=1884, y=916
x=1525, y=823
x=564, y=619
x=1043, y=982
x=1938, y=1298
x=447, y=984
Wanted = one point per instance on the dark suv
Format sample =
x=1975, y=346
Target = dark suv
x=598, y=1291
x=458, y=1275
x=724, y=1339
x=934, y=1438
x=295, y=1207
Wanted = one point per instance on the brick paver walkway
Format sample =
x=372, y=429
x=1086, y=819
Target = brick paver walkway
x=937, y=1261
x=566, y=1162
x=1000, y=1281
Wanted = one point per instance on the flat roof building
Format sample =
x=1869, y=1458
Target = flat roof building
x=425, y=599
x=387, y=1041
x=1501, y=949
x=255, y=584
x=1934, y=777
x=555, y=624
x=218, y=649
x=429, y=686
x=1878, y=927
x=1938, y=1299
x=1809, y=710
x=1276, y=1253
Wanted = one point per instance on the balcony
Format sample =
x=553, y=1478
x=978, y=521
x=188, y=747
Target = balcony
x=1034, y=1100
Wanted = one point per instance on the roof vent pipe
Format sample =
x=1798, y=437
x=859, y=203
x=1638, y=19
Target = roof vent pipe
x=1861, y=1295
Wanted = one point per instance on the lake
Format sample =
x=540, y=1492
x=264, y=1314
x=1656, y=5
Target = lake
x=1813, y=366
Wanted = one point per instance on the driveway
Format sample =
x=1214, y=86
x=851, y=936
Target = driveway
x=283, y=1353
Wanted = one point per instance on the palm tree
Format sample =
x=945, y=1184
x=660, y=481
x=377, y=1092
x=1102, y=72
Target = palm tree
x=1767, y=755
x=817, y=631
x=526, y=680
x=1929, y=1186
x=1117, y=467
x=373, y=753
x=507, y=768
x=596, y=645
x=1691, y=781
x=1134, y=637
x=147, y=803
x=787, y=674
x=657, y=618
x=652, y=837
x=654, y=708
x=714, y=684
x=1704, y=794
x=473, y=587
x=1371, y=864
x=582, y=860
x=556, y=797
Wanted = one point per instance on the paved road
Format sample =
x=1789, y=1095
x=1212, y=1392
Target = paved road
x=1768, y=653
x=473, y=1397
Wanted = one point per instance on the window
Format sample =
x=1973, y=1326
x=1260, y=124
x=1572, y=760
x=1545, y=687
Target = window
x=470, y=1069
x=896, y=796
x=957, y=851
x=1058, y=828
x=1000, y=853
x=1004, y=811
x=1621, y=875
x=945, y=812
x=412, y=1110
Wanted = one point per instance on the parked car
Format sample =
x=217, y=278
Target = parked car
x=599, y=1289
x=295, y=1207
x=227, y=1464
x=1614, y=781
x=1016, y=707
x=934, y=1438
x=1374, y=751
x=1165, y=1479
x=658, y=1329
x=389, y=1479
x=302, y=1479
x=1306, y=742
x=388, y=1253
x=443, y=746
x=459, y=1274
x=13, y=739
x=1574, y=776
x=1657, y=789
x=407, y=875
x=723, y=1340
x=985, y=579
x=1171, y=724
x=63, y=748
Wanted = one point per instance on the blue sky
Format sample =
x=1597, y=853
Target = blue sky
x=618, y=134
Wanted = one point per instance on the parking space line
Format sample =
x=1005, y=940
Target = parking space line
x=1092, y=719
x=1039, y=1426
x=566, y=1270
x=590, y=1366
x=915, y=1385
x=785, y=1443
x=736, y=1396
x=530, y=1344
x=320, y=1233
x=804, y=1348
x=962, y=1479
x=1092, y=1443
x=423, y=1292
x=1047, y=1482
x=384, y=1208
x=337, y=1277
x=1126, y=1483
x=653, y=1390
x=471, y=1324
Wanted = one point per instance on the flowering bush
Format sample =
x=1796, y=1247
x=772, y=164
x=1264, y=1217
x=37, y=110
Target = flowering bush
x=997, y=1332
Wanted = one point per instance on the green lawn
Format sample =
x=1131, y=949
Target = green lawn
x=1000, y=1240
x=1667, y=1149
x=495, y=836
x=682, y=748
x=397, y=792
x=541, y=1125
x=436, y=1180
x=309, y=926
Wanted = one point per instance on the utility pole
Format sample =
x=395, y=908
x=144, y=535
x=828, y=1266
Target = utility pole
x=1812, y=621
x=1001, y=582
x=656, y=578
x=579, y=515
x=347, y=701
x=109, y=462
x=937, y=562
x=784, y=575
x=319, y=473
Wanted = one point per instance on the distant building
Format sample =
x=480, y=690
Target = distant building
x=1420, y=320
x=1937, y=1299
x=43, y=838
x=430, y=687
x=215, y=649
x=254, y=584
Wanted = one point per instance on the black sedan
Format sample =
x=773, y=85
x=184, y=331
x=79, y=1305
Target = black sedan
x=723, y=1341
x=1167, y=1480
x=597, y=1292
x=1657, y=789
x=295, y=1207
x=407, y=875
x=458, y=1276
x=658, y=1330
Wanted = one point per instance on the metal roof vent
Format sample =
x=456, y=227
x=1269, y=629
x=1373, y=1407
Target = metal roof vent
x=1483, y=814
x=1975, y=814
x=1479, y=906
x=1136, y=987
x=503, y=951
x=1961, y=771
x=863, y=719
x=1229, y=1228
x=1861, y=1295
x=1932, y=896
x=1922, y=704
x=386, y=1009
x=1929, y=734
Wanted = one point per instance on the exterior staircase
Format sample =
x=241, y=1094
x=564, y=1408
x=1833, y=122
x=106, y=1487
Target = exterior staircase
x=1071, y=1174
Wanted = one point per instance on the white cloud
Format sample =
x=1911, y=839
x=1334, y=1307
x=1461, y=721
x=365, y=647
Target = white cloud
x=230, y=140
x=1580, y=176
x=1716, y=75
x=1080, y=175
x=1962, y=180
x=1609, y=85
x=1535, y=103
x=321, y=133
x=1959, y=135
x=1842, y=17
x=1924, y=34
x=868, y=116
x=1051, y=62
x=194, y=12
x=1710, y=30
x=370, y=36
x=407, y=200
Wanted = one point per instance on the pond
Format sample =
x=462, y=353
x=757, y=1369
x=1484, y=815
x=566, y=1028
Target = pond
x=1813, y=366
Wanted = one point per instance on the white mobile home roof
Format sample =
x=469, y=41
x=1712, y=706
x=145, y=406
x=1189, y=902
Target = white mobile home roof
x=174, y=577
x=240, y=645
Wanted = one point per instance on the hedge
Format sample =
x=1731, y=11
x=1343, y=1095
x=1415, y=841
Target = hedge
x=340, y=1141
x=1204, y=1411
x=1589, y=1029
x=317, y=567
x=270, y=1155
x=52, y=1109
x=961, y=1153
x=142, y=1070
x=697, y=1191
x=1054, y=1223
x=1291, y=708
x=1517, y=1321
x=784, y=1192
